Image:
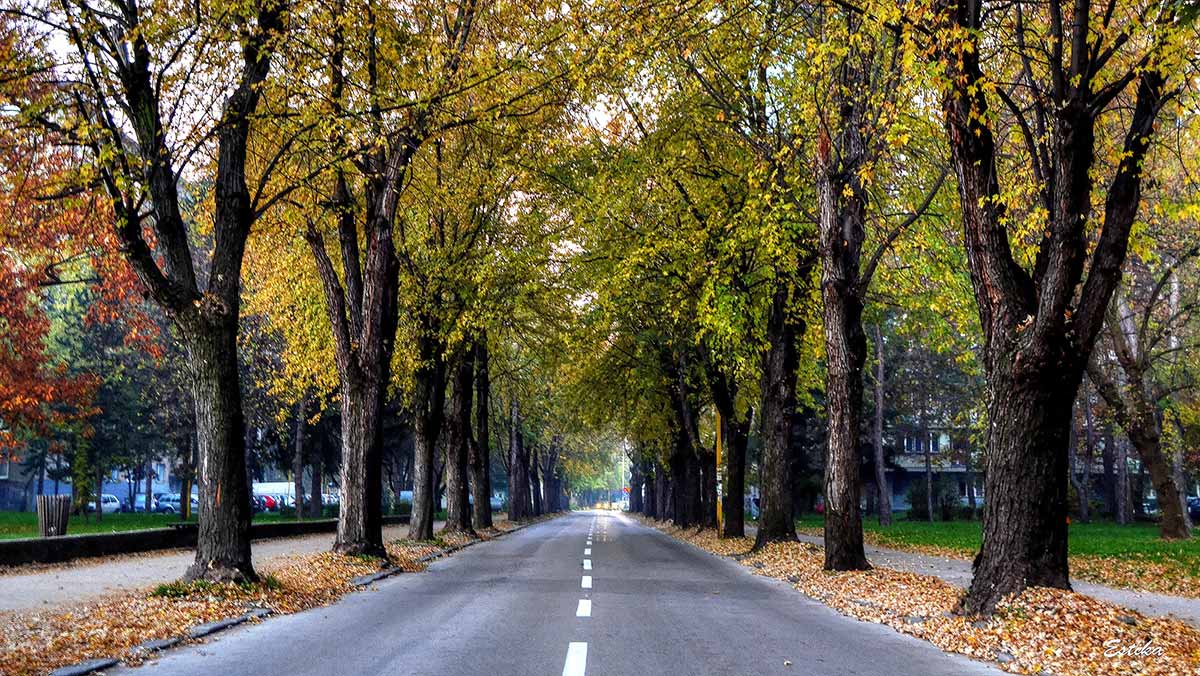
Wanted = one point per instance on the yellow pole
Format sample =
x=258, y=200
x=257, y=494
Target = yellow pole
x=720, y=480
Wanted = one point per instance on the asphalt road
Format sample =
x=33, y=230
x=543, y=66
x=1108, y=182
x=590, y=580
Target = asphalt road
x=520, y=605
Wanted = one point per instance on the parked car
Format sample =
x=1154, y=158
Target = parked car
x=109, y=504
x=137, y=504
x=1194, y=509
x=1150, y=506
x=269, y=503
x=171, y=503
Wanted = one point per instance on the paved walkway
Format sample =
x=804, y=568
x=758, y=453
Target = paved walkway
x=85, y=579
x=958, y=573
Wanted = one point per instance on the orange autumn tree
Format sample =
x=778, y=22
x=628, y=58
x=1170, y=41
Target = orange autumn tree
x=52, y=234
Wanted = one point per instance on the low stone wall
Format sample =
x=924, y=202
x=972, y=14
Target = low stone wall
x=68, y=547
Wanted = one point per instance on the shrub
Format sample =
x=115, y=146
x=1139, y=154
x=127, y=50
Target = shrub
x=945, y=498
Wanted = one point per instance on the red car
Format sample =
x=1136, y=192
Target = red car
x=269, y=503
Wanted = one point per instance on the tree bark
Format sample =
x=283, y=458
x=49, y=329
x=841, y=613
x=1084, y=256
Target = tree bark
x=708, y=466
x=1023, y=546
x=518, y=473
x=428, y=416
x=316, y=499
x=360, y=523
x=841, y=201
x=649, y=493
x=776, y=517
x=458, y=445
x=881, y=482
x=298, y=455
x=223, y=544
x=635, y=487
x=1109, y=457
x=1136, y=411
x=147, y=499
x=535, y=482
x=926, y=442
x=481, y=471
x=736, y=436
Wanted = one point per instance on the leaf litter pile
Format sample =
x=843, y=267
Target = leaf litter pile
x=1177, y=576
x=112, y=626
x=1041, y=631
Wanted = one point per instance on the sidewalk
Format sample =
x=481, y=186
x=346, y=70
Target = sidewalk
x=86, y=579
x=958, y=573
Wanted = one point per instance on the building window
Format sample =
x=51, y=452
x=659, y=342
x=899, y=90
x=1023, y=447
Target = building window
x=4, y=466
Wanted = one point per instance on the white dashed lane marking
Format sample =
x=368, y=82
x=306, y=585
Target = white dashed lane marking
x=584, y=609
x=587, y=582
x=587, y=564
x=576, y=664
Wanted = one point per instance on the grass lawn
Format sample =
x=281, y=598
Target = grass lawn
x=24, y=524
x=1139, y=540
x=1130, y=556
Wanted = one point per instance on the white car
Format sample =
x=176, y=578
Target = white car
x=109, y=504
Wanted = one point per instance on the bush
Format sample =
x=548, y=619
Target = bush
x=945, y=498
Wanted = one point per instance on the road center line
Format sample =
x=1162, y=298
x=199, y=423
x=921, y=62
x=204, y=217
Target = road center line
x=587, y=551
x=587, y=564
x=587, y=582
x=576, y=663
x=584, y=609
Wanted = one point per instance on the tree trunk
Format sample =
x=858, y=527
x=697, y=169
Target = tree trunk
x=360, y=522
x=1109, y=482
x=535, y=482
x=518, y=476
x=776, y=521
x=428, y=414
x=709, y=467
x=316, y=499
x=481, y=458
x=1135, y=408
x=661, y=493
x=1024, y=521
x=927, y=444
x=881, y=482
x=635, y=487
x=99, y=493
x=1181, y=485
x=1139, y=492
x=1040, y=322
x=1073, y=451
x=1173, y=525
x=972, y=503
x=223, y=541
x=736, y=436
x=147, y=498
x=193, y=463
x=841, y=205
x=458, y=446
x=298, y=455
x=649, y=492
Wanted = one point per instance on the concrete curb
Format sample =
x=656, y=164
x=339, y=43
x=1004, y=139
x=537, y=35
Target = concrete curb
x=202, y=630
x=205, y=630
x=85, y=667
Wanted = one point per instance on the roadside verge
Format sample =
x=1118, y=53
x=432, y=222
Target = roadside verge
x=130, y=627
x=1041, y=631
